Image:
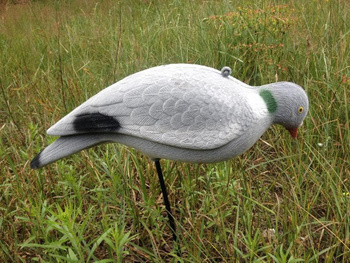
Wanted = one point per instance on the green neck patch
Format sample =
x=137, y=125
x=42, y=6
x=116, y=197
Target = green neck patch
x=270, y=101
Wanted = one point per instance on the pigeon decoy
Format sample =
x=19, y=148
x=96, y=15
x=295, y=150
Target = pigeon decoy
x=181, y=112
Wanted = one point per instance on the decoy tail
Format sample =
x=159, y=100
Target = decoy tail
x=65, y=146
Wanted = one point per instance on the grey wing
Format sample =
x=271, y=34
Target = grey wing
x=186, y=112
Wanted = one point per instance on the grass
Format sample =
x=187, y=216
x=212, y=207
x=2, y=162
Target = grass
x=281, y=201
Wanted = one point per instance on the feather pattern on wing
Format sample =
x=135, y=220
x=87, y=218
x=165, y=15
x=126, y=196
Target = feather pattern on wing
x=195, y=108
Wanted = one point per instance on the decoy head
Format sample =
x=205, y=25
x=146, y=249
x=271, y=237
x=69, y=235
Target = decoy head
x=288, y=102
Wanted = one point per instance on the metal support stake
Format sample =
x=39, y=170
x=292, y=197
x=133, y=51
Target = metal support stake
x=167, y=206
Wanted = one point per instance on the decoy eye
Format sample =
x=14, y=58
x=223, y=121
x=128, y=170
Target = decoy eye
x=300, y=109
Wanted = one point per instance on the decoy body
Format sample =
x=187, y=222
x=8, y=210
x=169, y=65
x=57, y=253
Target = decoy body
x=181, y=112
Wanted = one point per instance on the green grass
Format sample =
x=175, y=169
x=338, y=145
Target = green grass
x=281, y=201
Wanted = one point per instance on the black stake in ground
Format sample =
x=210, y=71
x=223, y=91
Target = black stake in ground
x=167, y=207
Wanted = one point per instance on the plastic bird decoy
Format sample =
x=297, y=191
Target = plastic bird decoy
x=181, y=112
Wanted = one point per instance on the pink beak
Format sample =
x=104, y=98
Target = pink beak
x=293, y=132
